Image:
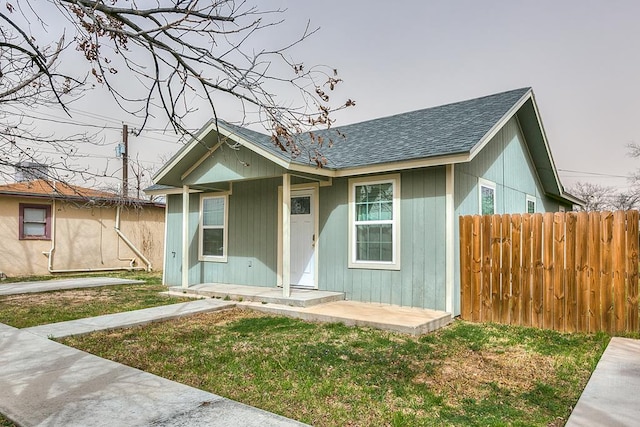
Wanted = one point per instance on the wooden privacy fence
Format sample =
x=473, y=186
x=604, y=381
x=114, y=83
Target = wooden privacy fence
x=574, y=271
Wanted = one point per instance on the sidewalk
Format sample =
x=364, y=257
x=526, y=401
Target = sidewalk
x=128, y=319
x=48, y=384
x=612, y=395
x=55, y=285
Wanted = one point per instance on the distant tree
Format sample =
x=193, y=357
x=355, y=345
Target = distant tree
x=595, y=196
x=600, y=198
x=166, y=60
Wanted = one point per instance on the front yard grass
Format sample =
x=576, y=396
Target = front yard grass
x=332, y=375
x=26, y=310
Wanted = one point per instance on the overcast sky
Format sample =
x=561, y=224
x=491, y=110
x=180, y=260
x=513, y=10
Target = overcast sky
x=580, y=57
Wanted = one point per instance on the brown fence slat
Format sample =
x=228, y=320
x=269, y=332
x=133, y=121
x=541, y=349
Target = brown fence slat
x=476, y=268
x=486, y=313
x=505, y=278
x=632, y=271
x=496, y=266
x=547, y=262
x=595, y=279
x=582, y=271
x=558, y=272
x=618, y=272
x=571, y=289
x=526, y=269
x=564, y=271
x=465, y=267
x=606, y=255
x=537, y=285
x=515, y=302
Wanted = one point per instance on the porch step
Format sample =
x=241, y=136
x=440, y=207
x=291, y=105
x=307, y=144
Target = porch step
x=298, y=298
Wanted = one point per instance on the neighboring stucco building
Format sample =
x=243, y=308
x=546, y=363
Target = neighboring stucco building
x=379, y=222
x=50, y=227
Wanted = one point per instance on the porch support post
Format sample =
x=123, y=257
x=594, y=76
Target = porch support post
x=185, y=236
x=286, y=235
x=449, y=238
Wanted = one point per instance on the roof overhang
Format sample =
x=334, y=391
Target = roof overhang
x=213, y=134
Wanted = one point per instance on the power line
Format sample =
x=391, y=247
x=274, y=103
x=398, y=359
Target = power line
x=606, y=175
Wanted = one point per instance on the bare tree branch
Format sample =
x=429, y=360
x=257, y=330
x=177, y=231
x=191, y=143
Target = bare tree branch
x=165, y=61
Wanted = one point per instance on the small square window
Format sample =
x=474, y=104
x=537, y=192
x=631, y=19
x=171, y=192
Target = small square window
x=35, y=222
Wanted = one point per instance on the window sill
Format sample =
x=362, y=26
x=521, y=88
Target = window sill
x=374, y=266
x=212, y=258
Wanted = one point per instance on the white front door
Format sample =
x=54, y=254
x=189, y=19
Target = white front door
x=303, y=239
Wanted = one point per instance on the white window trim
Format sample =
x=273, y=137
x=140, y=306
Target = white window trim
x=225, y=237
x=483, y=183
x=395, y=224
x=530, y=198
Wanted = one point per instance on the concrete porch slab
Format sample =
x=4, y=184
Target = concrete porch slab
x=408, y=320
x=298, y=298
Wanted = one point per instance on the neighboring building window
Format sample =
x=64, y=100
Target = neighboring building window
x=35, y=222
x=487, y=197
x=561, y=209
x=374, y=211
x=213, y=228
x=531, y=204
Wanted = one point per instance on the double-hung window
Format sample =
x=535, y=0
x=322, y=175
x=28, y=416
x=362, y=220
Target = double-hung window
x=35, y=222
x=531, y=204
x=213, y=227
x=374, y=218
x=487, y=197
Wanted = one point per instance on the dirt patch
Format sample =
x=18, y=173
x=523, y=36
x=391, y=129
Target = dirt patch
x=68, y=297
x=468, y=374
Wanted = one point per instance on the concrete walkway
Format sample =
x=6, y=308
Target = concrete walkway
x=55, y=285
x=612, y=395
x=48, y=384
x=128, y=319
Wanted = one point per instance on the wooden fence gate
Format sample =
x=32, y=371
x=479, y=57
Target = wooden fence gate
x=574, y=271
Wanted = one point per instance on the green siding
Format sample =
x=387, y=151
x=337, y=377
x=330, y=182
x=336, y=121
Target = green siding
x=420, y=281
x=173, y=241
x=252, y=242
x=227, y=164
x=505, y=160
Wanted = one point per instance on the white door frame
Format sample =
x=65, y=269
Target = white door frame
x=314, y=190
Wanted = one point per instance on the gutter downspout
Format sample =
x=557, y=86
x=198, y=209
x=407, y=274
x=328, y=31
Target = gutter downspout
x=129, y=243
x=73, y=270
x=53, y=238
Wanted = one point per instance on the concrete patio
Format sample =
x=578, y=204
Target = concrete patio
x=324, y=306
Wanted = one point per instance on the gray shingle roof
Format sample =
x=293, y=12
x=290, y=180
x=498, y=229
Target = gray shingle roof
x=444, y=130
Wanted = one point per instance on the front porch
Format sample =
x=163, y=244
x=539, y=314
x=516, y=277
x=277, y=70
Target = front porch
x=324, y=306
x=298, y=297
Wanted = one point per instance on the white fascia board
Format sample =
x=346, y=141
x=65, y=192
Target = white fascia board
x=313, y=170
x=173, y=162
x=500, y=123
x=253, y=147
x=168, y=191
x=403, y=165
x=546, y=146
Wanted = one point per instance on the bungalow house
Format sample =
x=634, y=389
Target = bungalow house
x=379, y=222
x=49, y=227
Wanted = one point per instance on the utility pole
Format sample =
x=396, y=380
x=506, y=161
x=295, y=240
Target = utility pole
x=125, y=161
